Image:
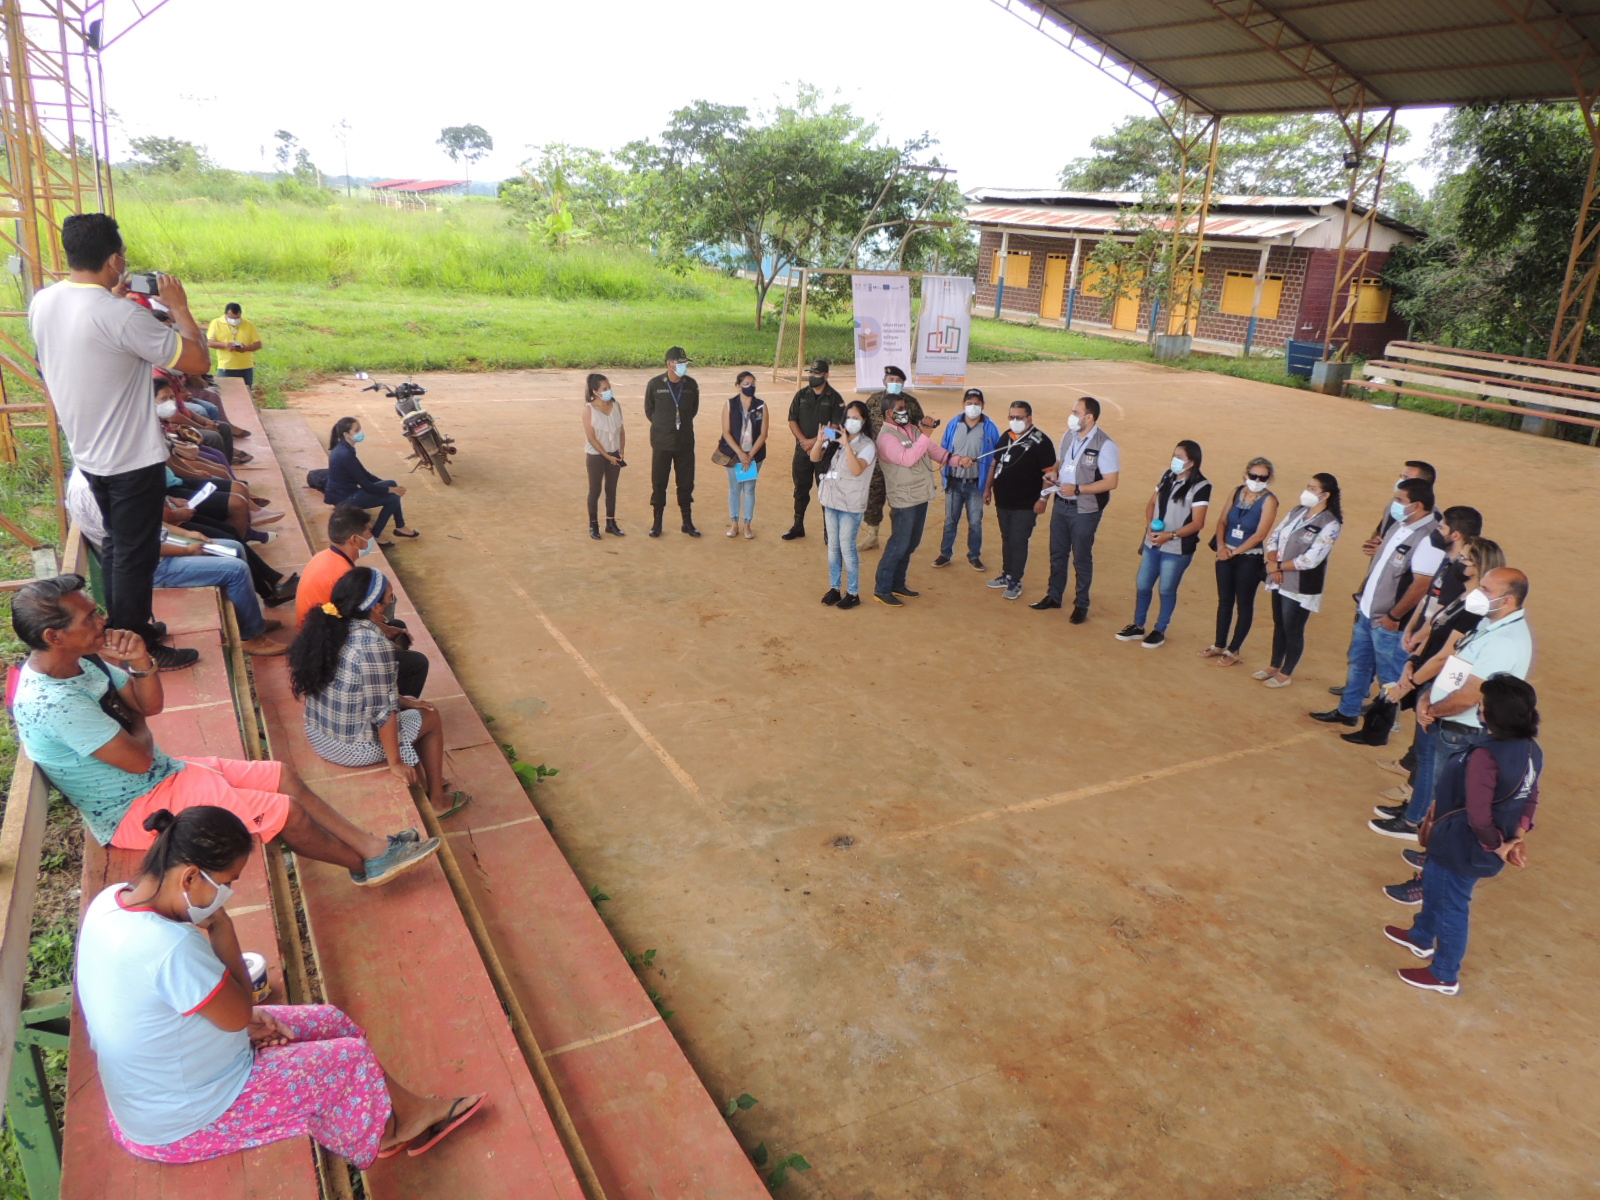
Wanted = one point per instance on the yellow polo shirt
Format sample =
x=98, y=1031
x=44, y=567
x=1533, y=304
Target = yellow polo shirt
x=232, y=360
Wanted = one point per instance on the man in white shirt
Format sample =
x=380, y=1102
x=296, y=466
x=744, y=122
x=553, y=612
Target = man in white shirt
x=1402, y=568
x=96, y=350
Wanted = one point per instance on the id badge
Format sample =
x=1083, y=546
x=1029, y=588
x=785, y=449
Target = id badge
x=1453, y=675
x=1236, y=534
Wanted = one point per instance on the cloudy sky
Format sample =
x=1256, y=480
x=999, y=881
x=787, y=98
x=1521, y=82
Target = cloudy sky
x=1008, y=106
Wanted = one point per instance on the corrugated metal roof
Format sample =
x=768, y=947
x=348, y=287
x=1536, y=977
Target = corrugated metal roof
x=1084, y=220
x=1286, y=206
x=416, y=185
x=1415, y=53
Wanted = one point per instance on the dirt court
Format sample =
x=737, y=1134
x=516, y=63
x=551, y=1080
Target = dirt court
x=980, y=904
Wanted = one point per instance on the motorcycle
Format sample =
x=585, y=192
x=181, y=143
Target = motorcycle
x=429, y=444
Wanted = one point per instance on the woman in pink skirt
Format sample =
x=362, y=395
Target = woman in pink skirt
x=190, y=1069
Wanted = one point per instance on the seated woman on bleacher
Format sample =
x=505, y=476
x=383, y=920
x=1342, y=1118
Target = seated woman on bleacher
x=349, y=482
x=191, y=1070
x=348, y=673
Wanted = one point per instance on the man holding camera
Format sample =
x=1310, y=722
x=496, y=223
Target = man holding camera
x=96, y=351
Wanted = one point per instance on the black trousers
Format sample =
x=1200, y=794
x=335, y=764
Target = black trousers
x=664, y=463
x=413, y=670
x=603, y=474
x=1238, y=580
x=807, y=475
x=132, y=504
x=1072, y=537
x=1016, y=529
x=1289, y=619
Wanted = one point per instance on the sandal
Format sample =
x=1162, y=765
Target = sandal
x=436, y=1133
x=397, y=1147
x=1212, y=652
x=459, y=801
x=1229, y=659
x=240, y=458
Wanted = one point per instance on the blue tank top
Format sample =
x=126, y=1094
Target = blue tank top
x=1244, y=521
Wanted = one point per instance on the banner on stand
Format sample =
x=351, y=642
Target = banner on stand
x=943, y=331
x=883, y=327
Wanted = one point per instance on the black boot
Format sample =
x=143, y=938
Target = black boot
x=688, y=523
x=613, y=528
x=594, y=530
x=1375, y=728
x=797, y=530
x=655, y=530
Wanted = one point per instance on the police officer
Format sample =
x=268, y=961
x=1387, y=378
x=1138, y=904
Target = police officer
x=1088, y=467
x=671, y=401
x=816, y=404
x=894, y=384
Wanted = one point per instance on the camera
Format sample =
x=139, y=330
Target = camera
x=145, y=283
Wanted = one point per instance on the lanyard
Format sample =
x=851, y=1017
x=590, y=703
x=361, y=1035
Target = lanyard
x=675, y=393
x=1070, y=459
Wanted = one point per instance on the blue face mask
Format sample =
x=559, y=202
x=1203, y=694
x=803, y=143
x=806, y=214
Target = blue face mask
x=680, y=369
x=365, y=550
x=608, y=395
x=358, y=437
x=1397, y=510
x=896, y=388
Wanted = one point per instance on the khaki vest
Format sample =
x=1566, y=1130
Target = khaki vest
x=1087, y=470
x=907, y=487
x=840, y=490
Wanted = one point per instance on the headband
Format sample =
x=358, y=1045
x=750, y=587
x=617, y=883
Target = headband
x=374, y=591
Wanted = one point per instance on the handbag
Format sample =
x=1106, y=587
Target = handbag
x=719, y=458
x=112, y=703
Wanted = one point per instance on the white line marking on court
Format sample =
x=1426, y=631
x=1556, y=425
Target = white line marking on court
x=1101, y=789
x=604, y=1037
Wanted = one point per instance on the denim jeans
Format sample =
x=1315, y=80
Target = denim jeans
x=386, y=502
x=1373, y=649
x=1434, y=746
x=844, y=561
x=1072, y=539
x=905, y=535
x=1442, y=923
x=741, y=494
x=1168, y=569
x=963, y=496
x=229, y=574
x=205, y=408
x=248, y=374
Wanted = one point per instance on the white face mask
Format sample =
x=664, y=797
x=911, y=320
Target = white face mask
x=1074, y=422
x=167, y=409
x=1018, y=425
x=852, y=424
x=1478, y=603
x=234, y=321
x=1310, y=499
x=1179, y=466
x=1255, y=485
x=197, y=915
x=974, y=411
x=365, y=550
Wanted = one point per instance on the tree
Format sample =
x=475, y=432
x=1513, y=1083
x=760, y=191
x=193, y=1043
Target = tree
x=1299, y=155
x=564, y=193
x=465, y=143
x=165, y=154
x=1501, y=223
x=287, y=144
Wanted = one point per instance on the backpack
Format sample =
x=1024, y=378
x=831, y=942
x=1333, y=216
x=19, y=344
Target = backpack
x=317, y=480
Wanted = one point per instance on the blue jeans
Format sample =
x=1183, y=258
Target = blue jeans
x=1169, y=569
x=741, y=494
x=1434, y=746
x=905, y=535
x=844, y=560
x=205, y=408
x=963, y=495
x=1372, y=649
x=386, y=502
x=248, y=374
x=232, y=575
x=1442, y=923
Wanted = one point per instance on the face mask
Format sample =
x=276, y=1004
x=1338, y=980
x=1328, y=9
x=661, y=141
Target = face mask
x=1255, y=485
x=167, y=409
x=1478, y=603
x=1074, y=422
x=852, y=424
x=1397, y=510
x=1018, y=425
x=608, y=395
x=680, y=369
x=358, y=437
x=1310, y=499
x=748, y=389
x=197, y=915
x=974, y=411
x=895, y=388
x=365, y=549
x=818, y=381
x=1438, y=540
x=1179, y=466
x=234, y=321
x=901, y=417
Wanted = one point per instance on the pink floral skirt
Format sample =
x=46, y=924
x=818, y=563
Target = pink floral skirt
x=326, y=1085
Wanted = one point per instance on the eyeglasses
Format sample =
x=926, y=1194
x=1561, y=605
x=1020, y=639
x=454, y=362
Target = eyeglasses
x=1259, y=478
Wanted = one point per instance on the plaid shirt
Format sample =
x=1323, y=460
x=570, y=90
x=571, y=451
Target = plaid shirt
x=364, y=693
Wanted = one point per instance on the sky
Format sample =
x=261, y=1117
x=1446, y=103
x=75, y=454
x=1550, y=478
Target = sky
x=1009, y=107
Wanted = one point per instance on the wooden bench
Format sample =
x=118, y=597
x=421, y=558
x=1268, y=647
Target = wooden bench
x=1535, y=389
x=640, y=1110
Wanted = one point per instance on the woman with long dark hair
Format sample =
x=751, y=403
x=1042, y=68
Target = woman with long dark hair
x=744, y=446
x=603, y=440
x=190, y=1068
x=1242, y=529
x=843, y=491
x=1297, y=565
x=347, y=672
x=349, y=482
x=1174, y=516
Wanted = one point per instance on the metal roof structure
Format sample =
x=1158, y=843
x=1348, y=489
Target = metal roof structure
x=1300, y=211
x=1246, y=57
x=1078, y=220
x=415, y=185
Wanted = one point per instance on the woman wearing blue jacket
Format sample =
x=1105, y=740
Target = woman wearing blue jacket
x=351, y=483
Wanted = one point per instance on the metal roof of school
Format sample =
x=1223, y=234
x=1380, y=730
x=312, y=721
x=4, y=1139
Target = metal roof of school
x=1237, y=57
x=1253, y=218
x=1112, y=221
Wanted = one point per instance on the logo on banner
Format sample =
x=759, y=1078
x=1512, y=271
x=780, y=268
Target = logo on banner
x=946, y=339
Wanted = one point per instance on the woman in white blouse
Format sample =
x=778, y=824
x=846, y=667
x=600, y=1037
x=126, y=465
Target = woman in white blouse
x=1297, y=565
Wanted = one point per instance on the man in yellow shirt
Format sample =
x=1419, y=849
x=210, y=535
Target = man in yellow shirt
x=236, y=341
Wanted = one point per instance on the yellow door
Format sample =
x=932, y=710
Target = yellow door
x=1183, y=317
x=1055, y=286
x=1126, y=315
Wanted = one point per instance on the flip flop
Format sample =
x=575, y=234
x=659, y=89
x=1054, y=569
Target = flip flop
x=436, y=1133
x=394, y=1149
x=461, y=800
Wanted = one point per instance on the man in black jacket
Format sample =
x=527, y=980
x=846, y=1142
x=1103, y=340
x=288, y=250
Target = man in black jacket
x=1015, y=488
x=671, y=402
x=816, y=404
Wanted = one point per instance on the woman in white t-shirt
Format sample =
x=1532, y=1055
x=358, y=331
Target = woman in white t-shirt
x=846, y=456
x=191, y=1070
x=603, y=440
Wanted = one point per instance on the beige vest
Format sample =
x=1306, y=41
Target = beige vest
x=907, y=487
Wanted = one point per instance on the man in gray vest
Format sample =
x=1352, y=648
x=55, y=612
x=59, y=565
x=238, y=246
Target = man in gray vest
x=1086, y=473
x=1402, y=568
